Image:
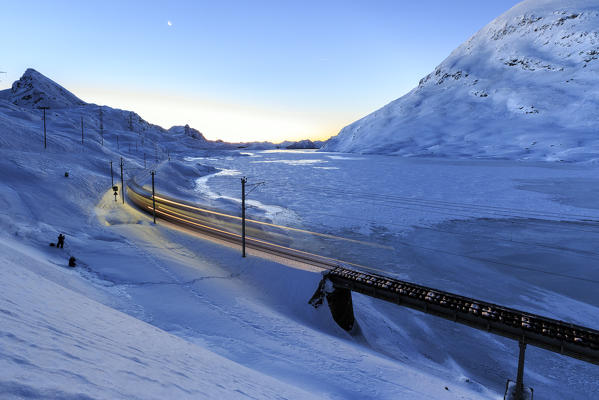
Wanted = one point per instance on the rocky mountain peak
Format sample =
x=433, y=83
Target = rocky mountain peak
x=35, y=90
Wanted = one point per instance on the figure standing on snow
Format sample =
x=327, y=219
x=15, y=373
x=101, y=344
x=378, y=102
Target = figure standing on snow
x=60, y=243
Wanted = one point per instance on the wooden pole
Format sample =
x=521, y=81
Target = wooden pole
x=243, y=182
x=122, y=182
x=153, y=197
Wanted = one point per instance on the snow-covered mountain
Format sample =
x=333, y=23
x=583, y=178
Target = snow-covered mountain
x=67, y=112
x=526, y=86
x=35, y=90
x=188, y=131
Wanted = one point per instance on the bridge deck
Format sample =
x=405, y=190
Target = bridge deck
x=553, y=335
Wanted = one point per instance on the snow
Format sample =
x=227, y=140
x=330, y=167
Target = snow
x=520, y=234
x=58, y=344
x=153, y=312
x=524, y=87
x=35, y=90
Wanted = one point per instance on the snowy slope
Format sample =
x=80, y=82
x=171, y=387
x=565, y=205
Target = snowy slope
x=103, y=126
x=63, y=332
x=57, y=344
x=60, y=335
x=525, y=86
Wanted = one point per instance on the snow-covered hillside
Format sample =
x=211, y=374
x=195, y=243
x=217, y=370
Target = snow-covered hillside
x=34, y=90
x=67, y=113
x=526, y=86
x=151, y=312
x=59, y=344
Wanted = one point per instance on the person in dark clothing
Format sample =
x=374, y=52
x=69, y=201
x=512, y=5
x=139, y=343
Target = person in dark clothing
x=60, y=243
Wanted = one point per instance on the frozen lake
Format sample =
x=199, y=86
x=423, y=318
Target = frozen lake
x=434, y=221
x=519, y=234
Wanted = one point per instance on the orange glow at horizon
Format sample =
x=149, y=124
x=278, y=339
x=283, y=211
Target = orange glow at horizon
x=221, y=120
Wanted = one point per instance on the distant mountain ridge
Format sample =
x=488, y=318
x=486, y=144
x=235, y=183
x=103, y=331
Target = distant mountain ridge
x=34, y=90
x=526, y=86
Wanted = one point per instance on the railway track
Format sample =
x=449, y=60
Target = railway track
x=219, y=225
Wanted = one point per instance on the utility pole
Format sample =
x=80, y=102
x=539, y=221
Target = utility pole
x=81, y=130
x=111, y=175
x=102, y=125
x=243, y=196
x=44, y=108
x=130, y=121
x=153, y=197
x=243, y=182
x=122, y=182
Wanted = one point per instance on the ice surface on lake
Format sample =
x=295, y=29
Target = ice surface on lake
x=395, y=193
x=291, y=162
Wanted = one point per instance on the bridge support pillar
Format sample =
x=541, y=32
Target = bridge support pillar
x=517, y=391
x=339, y=301
x=342, y=308
x=520, y=377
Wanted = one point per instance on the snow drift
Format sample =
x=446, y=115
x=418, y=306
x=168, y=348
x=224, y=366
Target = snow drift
x=523, y=87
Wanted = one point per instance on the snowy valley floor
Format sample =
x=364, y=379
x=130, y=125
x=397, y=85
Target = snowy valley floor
x=154, y=312
x=219, y=326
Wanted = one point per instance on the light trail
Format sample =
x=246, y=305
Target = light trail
x=283, y=227
x=336, y=261
x=257, y=244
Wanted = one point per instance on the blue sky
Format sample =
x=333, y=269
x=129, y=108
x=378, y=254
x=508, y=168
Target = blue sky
x=239, y=70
